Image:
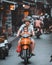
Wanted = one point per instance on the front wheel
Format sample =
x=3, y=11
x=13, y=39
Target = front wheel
x=26, y=60
x=25, y=56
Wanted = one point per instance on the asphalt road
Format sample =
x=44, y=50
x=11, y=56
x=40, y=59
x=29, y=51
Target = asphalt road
x=43, y=51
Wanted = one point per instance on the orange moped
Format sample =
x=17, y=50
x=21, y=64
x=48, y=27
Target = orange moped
x=26, y=50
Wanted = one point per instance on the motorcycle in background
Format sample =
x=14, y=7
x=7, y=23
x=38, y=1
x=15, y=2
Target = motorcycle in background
x=2, y=51
x=4, y=48
x=38, y=32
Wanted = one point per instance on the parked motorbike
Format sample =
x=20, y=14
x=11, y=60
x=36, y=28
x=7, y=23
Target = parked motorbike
x=25, y=43
x=37, y=32
x=4, y=49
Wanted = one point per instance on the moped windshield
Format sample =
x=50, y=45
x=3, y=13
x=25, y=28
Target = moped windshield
x=25, y=35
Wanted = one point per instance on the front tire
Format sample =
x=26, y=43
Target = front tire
x=25, y=56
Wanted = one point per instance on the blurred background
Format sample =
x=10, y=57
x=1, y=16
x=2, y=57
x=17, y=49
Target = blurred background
x=12, y=12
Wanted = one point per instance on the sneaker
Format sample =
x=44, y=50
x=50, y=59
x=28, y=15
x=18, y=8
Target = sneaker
x=19, y=54
x=32, y=54
x=51, y=60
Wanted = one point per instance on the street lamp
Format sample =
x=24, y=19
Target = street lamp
x=26, y=6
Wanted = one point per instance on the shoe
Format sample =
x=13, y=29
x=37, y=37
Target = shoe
x=32, y=54
x=51, y=60
x=19, y=54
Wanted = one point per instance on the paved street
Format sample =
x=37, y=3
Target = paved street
x=43, y=50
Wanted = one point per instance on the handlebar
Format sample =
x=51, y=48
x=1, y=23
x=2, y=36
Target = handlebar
x=26, y=35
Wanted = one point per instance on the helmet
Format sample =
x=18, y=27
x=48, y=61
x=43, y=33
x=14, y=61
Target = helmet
x=27, y=19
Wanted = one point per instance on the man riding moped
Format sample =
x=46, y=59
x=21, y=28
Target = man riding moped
x=39, y=24
x=30, y=30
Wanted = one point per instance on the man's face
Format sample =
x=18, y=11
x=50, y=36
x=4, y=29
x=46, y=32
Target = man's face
x=27, y=23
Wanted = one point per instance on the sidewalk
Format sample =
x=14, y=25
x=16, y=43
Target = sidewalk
x=11, y=39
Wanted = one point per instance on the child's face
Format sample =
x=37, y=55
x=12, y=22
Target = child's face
x=25, y=29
